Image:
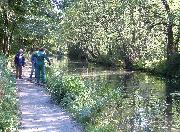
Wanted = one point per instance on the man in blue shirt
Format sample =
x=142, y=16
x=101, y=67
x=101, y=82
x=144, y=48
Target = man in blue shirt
x=40, y=65
x=33, y=62
x=19, y=61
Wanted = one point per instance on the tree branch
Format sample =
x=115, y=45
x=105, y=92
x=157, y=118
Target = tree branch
x=156, y=24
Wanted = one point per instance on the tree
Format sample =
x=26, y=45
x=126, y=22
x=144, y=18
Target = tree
x=26, y=22
x=172, y=47
x=11, y=12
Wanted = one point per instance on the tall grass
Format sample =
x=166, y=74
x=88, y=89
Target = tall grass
x=8, y=102
x=88, y=102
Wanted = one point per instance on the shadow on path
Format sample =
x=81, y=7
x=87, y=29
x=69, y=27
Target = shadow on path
x=38, y=113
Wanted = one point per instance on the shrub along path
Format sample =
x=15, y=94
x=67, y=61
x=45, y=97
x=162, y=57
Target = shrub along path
x=38, y=112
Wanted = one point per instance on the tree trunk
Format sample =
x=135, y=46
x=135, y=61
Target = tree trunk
x=171, y=46
x=11, y=38
x=127, y=60
x=128, y=54
x=5, y=37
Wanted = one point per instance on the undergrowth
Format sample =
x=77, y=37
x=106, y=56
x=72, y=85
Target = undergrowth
x=8, y=102
x=88, y=102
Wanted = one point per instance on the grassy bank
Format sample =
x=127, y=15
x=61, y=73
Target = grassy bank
x=8, y=101
x=90, y=103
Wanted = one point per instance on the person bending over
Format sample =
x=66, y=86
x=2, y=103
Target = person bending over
x=40, y=65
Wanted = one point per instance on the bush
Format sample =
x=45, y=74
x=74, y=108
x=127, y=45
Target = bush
x=63, y=89
x=88, y=102
x=105, y=60
x=8, y=102
x=168, y=68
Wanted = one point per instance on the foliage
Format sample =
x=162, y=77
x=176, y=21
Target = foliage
x=167, y=67
x=102, y=104
x=83, y=99
x=109, y=32
x=28, y=24
x=8, y=101
x=62, y=4
x=131, y=32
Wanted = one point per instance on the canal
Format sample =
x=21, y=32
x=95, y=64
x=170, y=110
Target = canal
x=129, y=101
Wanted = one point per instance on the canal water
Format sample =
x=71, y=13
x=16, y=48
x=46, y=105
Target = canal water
x=132, y=101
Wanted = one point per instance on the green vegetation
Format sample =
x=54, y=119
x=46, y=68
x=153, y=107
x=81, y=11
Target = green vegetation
x=104, y=105
x=132, y=34
x=8, y=100
x=82, y=99
x=168, y=68
x=28, y=24
x=127, y=33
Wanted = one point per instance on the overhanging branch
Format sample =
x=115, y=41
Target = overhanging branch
x=156, y=24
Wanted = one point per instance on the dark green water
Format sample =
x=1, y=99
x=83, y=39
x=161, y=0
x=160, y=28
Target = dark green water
x=140, y=102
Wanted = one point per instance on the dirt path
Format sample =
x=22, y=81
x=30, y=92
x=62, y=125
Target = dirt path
x=38, y=112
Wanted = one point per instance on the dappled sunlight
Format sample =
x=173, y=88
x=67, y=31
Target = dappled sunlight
x=99, y=55
x=53, y=120
x=109, y=99
x=38, y=112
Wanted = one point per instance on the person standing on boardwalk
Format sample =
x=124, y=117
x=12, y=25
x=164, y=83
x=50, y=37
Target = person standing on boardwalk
x=19, y=62
x=40, y=65
x=33, y=62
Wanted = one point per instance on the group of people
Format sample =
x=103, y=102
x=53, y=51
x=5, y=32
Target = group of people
x=38, y=64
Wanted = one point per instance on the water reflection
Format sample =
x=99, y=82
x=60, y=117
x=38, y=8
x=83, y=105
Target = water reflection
x=172, y=97
x=134, y=101
x=168, y=111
